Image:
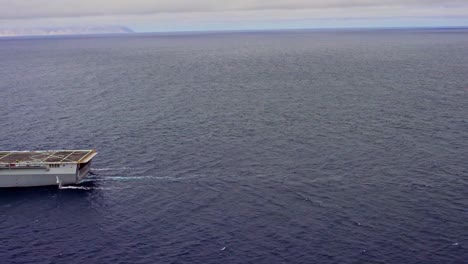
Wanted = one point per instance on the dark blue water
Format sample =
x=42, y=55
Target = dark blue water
x=280, y=147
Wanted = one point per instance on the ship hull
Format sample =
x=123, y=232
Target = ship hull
x=32, y=180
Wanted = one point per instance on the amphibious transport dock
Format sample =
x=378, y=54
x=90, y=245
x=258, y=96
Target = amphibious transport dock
x=42, y=168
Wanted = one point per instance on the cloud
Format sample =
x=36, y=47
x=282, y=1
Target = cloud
x=181, y=15
x=31, y=9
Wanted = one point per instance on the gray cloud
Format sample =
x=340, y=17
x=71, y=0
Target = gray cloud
x=31, y=9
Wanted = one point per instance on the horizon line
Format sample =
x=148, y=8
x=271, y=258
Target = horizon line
x=259, y=30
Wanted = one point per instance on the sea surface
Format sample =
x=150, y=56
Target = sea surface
x=255, y=147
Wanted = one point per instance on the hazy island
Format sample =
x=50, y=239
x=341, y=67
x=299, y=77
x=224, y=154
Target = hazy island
x=86, y=30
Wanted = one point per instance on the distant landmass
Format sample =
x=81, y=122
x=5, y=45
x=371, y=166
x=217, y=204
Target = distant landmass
x=16, y=32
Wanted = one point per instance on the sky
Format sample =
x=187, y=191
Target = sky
x=195, y=15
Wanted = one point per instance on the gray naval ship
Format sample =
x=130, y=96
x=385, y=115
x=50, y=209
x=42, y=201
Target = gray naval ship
x=43, y=168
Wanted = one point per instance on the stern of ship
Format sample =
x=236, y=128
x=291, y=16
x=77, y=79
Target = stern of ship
x=83, y=167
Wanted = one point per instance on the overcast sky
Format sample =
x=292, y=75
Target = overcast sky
x=176, y=15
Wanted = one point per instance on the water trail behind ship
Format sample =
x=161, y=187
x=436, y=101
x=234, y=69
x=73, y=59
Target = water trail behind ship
x=118, y=174
x=97, y=178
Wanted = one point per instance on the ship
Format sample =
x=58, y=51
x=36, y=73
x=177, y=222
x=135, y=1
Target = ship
x=45, y=167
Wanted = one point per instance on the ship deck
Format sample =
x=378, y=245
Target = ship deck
x=45, y=157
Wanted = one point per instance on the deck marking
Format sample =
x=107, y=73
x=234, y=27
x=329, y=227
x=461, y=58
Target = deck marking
x=67, y=156
x=9, y=153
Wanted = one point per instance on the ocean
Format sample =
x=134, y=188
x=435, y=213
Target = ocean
x=242, y=147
